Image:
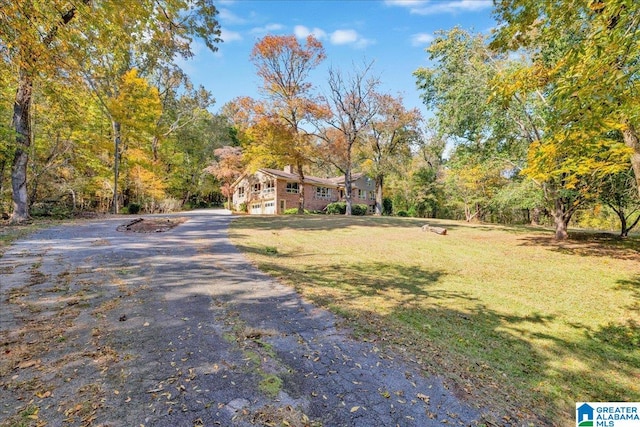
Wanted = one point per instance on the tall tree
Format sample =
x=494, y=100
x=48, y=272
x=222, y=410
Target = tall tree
x=353, y=101
x=594, y=80
x=393, y=132
x=30, y=33
x=42, y=37
x=227, y=168
x=284, y=65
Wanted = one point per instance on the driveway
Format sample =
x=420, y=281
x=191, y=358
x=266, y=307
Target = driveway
x=109, y=328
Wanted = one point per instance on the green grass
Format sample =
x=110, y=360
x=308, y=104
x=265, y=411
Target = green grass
x=514, y=320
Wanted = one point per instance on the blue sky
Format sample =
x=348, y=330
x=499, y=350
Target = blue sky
x=392, y=33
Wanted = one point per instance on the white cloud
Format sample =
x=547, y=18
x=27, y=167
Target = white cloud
x=344, y=36
x=430, y=7
x=230, y=18
x=421, y=39
x=303, y=32
x=350, y=37
x=230, y=36
x=269, y=28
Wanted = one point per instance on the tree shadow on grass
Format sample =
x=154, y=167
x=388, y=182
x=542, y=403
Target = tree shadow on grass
x=518, y=365
x=589, y=244
x=632, y=286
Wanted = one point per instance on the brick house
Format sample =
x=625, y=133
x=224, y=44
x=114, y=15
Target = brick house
x=272, y=191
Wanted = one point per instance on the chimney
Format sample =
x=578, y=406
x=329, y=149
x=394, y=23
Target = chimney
x=289, y=169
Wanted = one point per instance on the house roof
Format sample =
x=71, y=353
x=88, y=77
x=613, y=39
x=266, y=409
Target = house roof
x=337, y=181
x=294, y=177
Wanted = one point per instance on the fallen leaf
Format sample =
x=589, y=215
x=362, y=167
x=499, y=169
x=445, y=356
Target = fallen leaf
x=355, y=408
x=423, y=397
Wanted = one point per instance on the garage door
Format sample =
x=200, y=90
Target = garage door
x=270, y=208
x=256, y=208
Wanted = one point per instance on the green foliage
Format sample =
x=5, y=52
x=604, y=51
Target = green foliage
x=402, y=213
x=336, y=208
x=359, y=209
x=387, y=206
x=294, y=211
x=340, y=208
x=134, y=208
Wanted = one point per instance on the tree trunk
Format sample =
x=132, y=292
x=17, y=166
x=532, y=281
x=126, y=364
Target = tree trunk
x=22, y=125
x=561, y=219
x=379, y=181
x=535, y=216
x=300, y=189
x=347, y=191
x=116, y=162
x=631, y=140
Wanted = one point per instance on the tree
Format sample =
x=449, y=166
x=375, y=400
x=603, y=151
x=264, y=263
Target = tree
x=227, y=168
x=393, y=131
x=52, y=39
x=353, y=101
x=619, y=193
x=488, y=143
x=594, y=79
x=280, y=124
x=28, y=31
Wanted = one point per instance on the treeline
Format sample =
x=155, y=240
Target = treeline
x=534, y=123
x=94, y=113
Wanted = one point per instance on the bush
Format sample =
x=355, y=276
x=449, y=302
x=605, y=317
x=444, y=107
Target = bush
x=294, y=211
x=387, y=206
x=336, y=208
x=340, y=208
x=402, y=213
x=133, y=208
x=359, y=209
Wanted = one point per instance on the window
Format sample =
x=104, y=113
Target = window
x=269, y=187
x=362, y=194
x=240, y=191
x=292, y=187
x=372, y=195
x=323, y=193
x=256, y=188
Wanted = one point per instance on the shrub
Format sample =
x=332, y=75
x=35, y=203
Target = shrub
x=133, y=208
x=359, y=209
x=387, y=206
x=336, y=208
x=294, y=211
x=340, y=208
x=402, y=213
x=243, y=207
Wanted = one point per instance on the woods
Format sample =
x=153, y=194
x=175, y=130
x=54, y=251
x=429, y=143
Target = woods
x=87, y=119
x=534, y=123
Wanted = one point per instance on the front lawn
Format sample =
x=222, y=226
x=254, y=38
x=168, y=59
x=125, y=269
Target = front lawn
x=514, y=320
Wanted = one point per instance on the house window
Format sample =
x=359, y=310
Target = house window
x=269, y=187
x=283, y=205
x=256, y=188
x=323, y=193
x=362, y=194
x=372, y=195
x=240, y=191
x=292, y=187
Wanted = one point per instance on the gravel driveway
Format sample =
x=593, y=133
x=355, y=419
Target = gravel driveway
x=100, y=327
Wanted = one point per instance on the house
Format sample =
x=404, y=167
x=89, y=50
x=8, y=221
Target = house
x=272, y=191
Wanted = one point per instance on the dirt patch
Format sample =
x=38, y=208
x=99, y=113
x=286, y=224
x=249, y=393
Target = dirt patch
x=150, y=225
